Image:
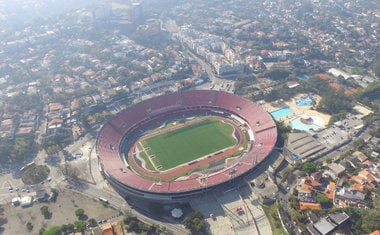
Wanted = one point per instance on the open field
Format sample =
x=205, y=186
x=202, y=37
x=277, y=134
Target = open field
x=63, y=212
x=188, y=143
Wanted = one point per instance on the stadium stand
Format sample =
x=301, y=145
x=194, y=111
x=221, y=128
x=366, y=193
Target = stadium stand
x=117, y=135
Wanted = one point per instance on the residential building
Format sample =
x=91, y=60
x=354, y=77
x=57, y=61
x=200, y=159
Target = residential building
x=345, y=197
x=329, y=224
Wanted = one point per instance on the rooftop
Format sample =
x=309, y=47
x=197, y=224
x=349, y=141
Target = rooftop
x=303, y=145
x=324, y=226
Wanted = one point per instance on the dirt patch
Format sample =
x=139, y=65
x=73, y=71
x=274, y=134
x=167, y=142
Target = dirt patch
x=35, y=174
x=63, y=212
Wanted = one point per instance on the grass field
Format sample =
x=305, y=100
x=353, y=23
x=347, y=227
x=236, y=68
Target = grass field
x=189, y=143
x=149, y=164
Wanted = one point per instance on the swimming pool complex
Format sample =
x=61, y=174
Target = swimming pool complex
x=304, y=101
x=282, y=112
x=305, y=124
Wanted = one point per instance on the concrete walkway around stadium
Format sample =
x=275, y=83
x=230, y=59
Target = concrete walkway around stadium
x=96, y=174
x=252, y=201
x=236, y=212
x=207, y=205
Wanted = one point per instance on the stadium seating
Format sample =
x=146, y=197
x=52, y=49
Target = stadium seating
x=174, y=105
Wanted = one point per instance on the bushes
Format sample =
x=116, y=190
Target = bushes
x=134, y=225
x=195, y=222
x=79, y=212
x=46, y=212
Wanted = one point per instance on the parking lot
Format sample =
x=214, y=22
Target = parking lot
x=332, y=136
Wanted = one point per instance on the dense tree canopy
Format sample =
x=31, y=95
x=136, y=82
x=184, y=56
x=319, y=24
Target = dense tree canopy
x=284, y=93
x=309, y=167
x=333, y=101
x=371, y=92
x=16, y=150
x=277, y=74
x=364, y=221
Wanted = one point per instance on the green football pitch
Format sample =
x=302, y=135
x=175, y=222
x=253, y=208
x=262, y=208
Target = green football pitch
x=188, y=143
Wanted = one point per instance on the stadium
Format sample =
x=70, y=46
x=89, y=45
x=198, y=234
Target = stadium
x=178, y=145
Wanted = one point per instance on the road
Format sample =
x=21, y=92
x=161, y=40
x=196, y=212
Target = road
x=216, y=82
x=117, y=202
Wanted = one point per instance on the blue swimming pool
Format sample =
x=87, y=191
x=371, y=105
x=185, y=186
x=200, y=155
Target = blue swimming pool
x=304, y=101
x=297, y=124
x=303, y=76
x=282, y=112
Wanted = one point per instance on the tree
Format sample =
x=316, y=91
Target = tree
x=195, y=222
x=277, y=73
x=364, y=221
x=68, y=228
x=42, y=230
x=133, y=226
x=56, y=230
x=80, y=225
x=293, y=200
x=283, y=133
x=295, y=215
x=64, y=228
x=79, y=212
x=45, y=211
x=132, y=222
x=321, y=198
x=54, y=196
x=376, y=202
x=309, y=167
x=358, y=144
x=29, y=226
x=92, y=222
